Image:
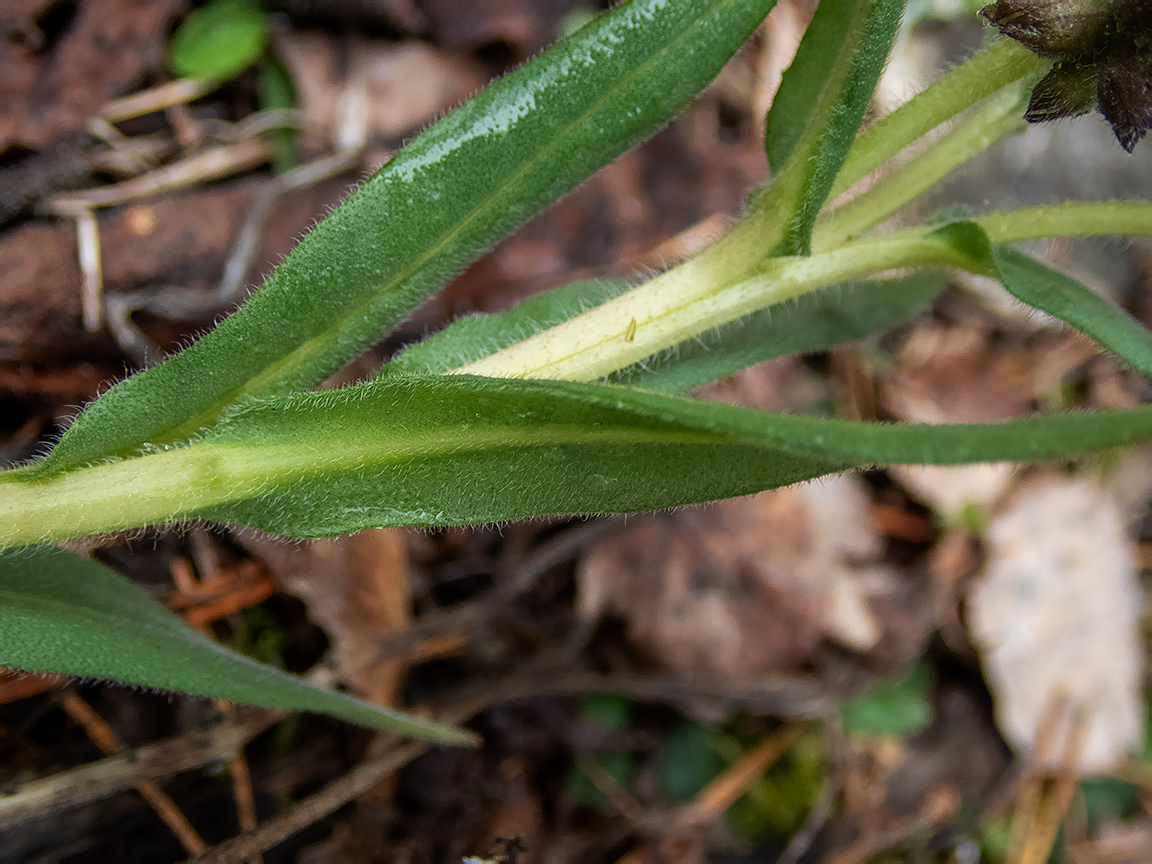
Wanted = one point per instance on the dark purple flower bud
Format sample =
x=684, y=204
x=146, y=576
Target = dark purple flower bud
x=1053, y=28
x=1124, y=88
x=1068, y=90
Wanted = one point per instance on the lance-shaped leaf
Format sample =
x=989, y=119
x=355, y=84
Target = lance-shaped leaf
x=798, y=97
x=1061, y=296
x=66, y=614
x=811, y=322
x=816, y=157
x=449, y=195
x=452, y=450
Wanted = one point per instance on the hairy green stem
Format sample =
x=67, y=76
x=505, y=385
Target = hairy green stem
x=735, y=275
x=1068, y=219
x=181, y=482
x=674, y=307
x=999, y=117
x=987, y=71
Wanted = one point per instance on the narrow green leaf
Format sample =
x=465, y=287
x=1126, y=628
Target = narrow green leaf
x=812, y=322
x=1061, y=296
x=798, y=96
x=219, y=40
x=893, y=708
x=451, y=450
x=276, y=91
x=66, y=614
x=452, y=193
x=475, y=336
x=804, y=184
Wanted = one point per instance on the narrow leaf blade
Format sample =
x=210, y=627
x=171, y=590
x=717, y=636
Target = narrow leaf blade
x=451, y=450
x=807, y=178
x=1063, y=297
x=1039, y=286
x=456, y=190
x=798, y=96
x=66, y=614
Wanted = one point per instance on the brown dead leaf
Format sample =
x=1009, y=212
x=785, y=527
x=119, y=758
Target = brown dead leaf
x=527, y=25
x=356, y=589
x=748, y=586
x=1055, y=615
x=954, y=376
x=179, y=239
x=57, y=73
x=407, y=85
x=743, y=587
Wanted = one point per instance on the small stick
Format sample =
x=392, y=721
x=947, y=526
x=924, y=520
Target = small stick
x=245, y=798
x=157, y=98
x=213, y=163
x=196, y=748
x=313, y=808
x=711, y=801
x=104, y=737
x=1028, y=799
x=88, y=247
x=1043, y=834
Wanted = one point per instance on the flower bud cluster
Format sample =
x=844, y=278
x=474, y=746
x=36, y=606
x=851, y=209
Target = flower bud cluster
x=1103, y=58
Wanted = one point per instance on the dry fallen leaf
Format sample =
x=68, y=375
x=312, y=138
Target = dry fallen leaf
x=407, y=84
x=1055, y=615
x=953, y=376
x=744, y=587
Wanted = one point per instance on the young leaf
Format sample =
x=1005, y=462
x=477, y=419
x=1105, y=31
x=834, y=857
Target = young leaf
x=1061, y=296
x=893, y=708
x=798, y=96
x=219, y=40
x=803, y=186
x=451, y=450
x=813, y=322
x=445, y=198
x=66, y=614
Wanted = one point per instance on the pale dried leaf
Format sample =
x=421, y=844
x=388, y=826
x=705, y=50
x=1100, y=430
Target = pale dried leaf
x=407, y=84
x=1055, y=615
x=952, y=376
x=743, y=587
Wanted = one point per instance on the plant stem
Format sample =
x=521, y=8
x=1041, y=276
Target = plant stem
x=1069, y=219
x=1000, y=116
x=990, y=69
x=735, y=276
x=666, y=311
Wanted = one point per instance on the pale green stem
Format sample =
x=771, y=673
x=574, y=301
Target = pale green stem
x=720, y=284
x=990, y=69
x=182, y=482
x=997, y=118
x=1069, y=219
x=987, y=71
x=677, y=306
